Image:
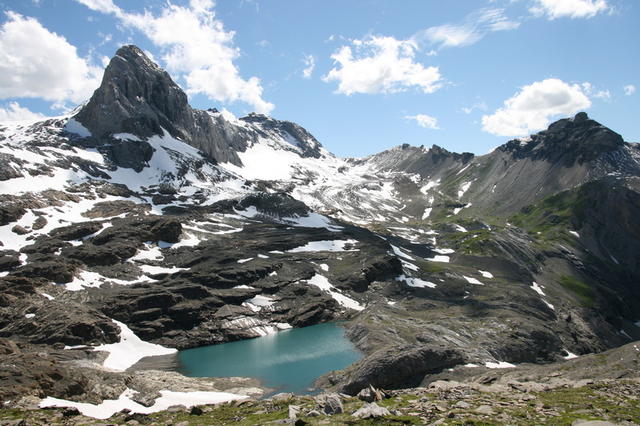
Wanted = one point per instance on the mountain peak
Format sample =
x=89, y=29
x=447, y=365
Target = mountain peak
x=137, y=96
x=579, y=138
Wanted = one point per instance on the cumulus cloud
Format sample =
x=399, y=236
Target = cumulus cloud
x=554, y=9
x=629, y=89
x=534, y=105
x=381, y=65
x=15, y=112
x=37, y=63
x=424, y=120
x=472, y=29
x=309, y=66
x=195, y=45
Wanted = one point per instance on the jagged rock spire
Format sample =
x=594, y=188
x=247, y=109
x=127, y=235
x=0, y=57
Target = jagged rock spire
x=138, y=97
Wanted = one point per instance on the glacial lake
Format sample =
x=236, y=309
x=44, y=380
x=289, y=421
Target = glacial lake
x=288, y=361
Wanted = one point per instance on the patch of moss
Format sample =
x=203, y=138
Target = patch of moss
x=582, y=290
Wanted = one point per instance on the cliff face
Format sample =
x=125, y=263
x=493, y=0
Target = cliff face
x=138, y=97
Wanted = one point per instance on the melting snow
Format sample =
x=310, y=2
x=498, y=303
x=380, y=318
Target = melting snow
x=570, y=355
x=258, y=302
x=486, y=274
x=427, y=213
x=245, y=260
x=472, y=280
x=400, y=253
x=415, y=282
x=129, y=350
x=153, y=270
x=499, y=364
x=459, y=228
x=575, y=234
x=324, y=284
x=439, y=258
x=167, y=399
x=464, y=188
x=74, y=126
x=333, y=245
x=537, y=289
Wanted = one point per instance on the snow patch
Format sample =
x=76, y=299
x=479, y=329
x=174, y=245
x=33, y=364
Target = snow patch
x=415, y=282
x=324, y=284
x=129, y=350
x=109, y=407
x=486, y=274
x=499, y=364
x=472, y=280
x=537, y=289
x=328, y=245
x=74, y=126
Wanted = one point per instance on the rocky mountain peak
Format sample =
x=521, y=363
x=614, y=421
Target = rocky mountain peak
x=568, y=140
x=136, y=96
x=292, y=132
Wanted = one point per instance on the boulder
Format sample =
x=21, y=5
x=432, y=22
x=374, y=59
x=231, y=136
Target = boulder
x=370, y=394
x=371, y=411
x=332, y=404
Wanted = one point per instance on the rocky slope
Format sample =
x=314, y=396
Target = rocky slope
x=140, y=225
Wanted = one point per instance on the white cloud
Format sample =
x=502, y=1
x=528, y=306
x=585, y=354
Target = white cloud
x=14, y=112
x=533, y=106
x=554, y=9
x=481, y=106
x=196, y=46
x=629, y=89
x=590, y=90
x=424, y=120
x=37, y=63
x=474, y=27
x=104, y=6
x=381, y=65
x=309, y=64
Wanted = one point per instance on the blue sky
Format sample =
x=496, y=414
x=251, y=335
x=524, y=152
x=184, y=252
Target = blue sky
x=362, y=76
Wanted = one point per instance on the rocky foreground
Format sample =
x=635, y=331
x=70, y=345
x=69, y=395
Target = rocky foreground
x=597, y=389
x=603, y=402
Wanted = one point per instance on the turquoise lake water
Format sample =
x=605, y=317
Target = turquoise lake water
x=288, y=361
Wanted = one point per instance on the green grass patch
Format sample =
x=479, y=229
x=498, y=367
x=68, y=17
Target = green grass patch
x=582, y=290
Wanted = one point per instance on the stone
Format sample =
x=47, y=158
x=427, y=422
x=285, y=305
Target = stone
x=20, y=230
x=70, y=412
x=294, y=410
x=370, y=394
x=484, y=410
x=371, y=411
x=462, y=405
x=196, y=411
x=285, y=396
x=332, y=404
x=314, y=413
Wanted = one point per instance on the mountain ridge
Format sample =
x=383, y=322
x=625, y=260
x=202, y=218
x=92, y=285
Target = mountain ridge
x=121, y=220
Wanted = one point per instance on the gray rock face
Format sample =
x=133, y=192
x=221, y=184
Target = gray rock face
x=300, y=137
x=138, y=97
x=332, y=404
x=371, y=411
x=568, y=140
